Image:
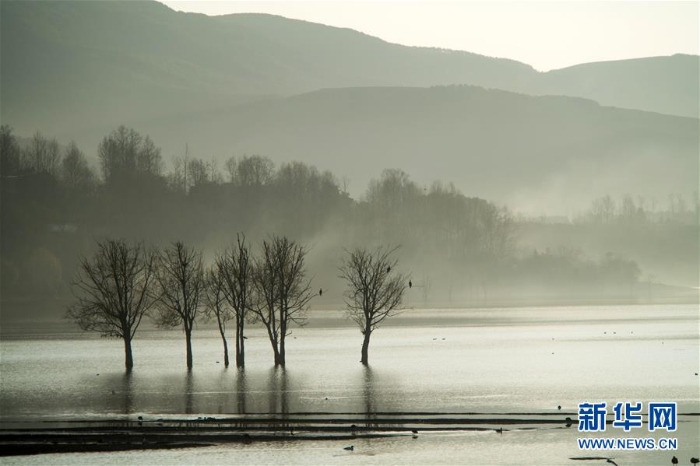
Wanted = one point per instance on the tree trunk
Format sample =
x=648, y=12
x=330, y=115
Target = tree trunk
x=225, y=350
x=222, y=331
x=273, y=342
x=129, y=359
x=282, y=353
x=240, y=346
x=277, y=357
x=188, y=337
x=283, y=334
x=275, y=349
x=365, y=348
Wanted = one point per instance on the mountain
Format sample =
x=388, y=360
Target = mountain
x=661, y=84
x=530, y=152
x=71, y=66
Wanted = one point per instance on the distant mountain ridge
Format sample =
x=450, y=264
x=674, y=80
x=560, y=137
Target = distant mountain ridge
x=150, y=61
x=661, y=84
x=509, y=147
x=74, y=65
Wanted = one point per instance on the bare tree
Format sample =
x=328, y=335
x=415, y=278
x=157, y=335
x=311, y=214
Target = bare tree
x=42, y=155
x=217, y=305
x=148, y=159
x=10, y=153
x=75, y=171
x=198, y=172
x=113, y=291
x=254, y=171
x=232, y=168
x=177, y=178
x=375, y=289
x=282, y=289
x=234, y=278
x=125, y=154
x=180, y=276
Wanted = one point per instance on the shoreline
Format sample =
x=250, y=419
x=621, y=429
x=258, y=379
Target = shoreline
x=79, y=436
x=20, y=309
x=30, y=326
x=117, y=435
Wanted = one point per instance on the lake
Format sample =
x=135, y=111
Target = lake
x=503, y=362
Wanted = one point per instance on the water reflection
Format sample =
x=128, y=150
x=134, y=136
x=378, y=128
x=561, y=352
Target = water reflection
x=369, y=395
x=278, y=391
x=368, y=389
x=241, y=391
x=127, y=392
x=120, y=392
x=115, y=393
x=189, y=392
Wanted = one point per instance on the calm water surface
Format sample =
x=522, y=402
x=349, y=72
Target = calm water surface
x=526, y=360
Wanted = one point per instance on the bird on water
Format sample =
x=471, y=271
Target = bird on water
x=410, y=284
x=320, y=292
x=694, y=461
x=350, y=448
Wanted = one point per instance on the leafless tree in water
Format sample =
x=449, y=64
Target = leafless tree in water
x=231, y=293
x=181, y=281
x=375, y=289
x=114, y=290
x=283, y=292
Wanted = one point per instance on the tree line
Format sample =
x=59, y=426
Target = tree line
x=55, y=202
x=631, y=211
x=122, y=283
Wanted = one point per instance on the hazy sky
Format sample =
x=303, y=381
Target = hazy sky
x=546, y=35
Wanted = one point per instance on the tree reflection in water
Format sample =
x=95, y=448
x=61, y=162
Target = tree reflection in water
x=241, y=391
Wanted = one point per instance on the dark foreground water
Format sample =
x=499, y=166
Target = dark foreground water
x=499, y=361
